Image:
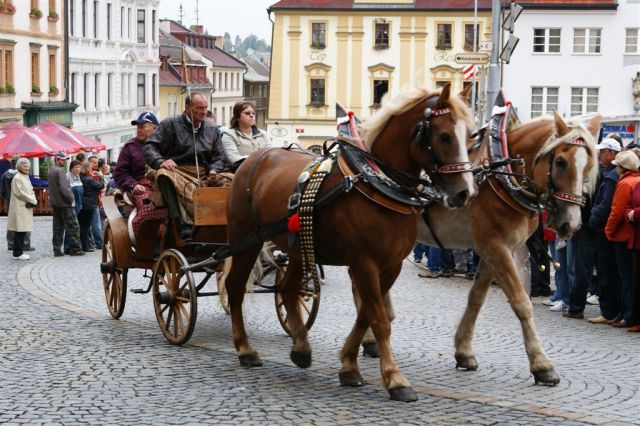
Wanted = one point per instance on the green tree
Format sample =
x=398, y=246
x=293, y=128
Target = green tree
x=237, y=43
x=227, y=46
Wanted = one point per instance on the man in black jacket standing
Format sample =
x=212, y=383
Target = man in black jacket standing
x=62, y=202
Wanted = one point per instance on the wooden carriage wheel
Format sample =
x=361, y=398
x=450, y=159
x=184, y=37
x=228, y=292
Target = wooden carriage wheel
x=114, y=278
x=174, y=297
x=308, y=299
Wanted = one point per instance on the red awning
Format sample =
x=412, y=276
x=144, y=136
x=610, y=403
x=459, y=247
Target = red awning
x=68, y=136
x=16, y=139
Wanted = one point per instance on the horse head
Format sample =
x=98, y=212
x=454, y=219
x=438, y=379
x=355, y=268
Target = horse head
x=571, y=172
x=426, y=130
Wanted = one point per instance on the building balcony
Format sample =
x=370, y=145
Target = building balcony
x=260, y=102
x=7, y=100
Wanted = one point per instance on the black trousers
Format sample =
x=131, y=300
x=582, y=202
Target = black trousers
x=18, y=243
x=584, y=257
x=635, y=289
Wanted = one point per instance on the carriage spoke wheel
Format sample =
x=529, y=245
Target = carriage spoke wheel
x=174, y=297
x=308, y=300
x=114, y=279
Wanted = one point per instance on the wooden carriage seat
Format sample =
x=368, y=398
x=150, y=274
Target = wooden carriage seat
x=210, y=214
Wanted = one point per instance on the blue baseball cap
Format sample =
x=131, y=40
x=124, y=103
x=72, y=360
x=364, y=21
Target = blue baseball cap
x=62, y=155
x=145, y=117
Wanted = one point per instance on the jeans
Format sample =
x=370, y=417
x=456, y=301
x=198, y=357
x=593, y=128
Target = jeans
x=440, y=260
x=608, y=277
x=84, y=219
x=419, y=251
x=96, y=228
x=584, y=256
x=566, y=274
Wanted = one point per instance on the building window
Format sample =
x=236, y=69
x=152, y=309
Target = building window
x=444, y=36
x=34, y=5
x=140, y=26
x=53, y=83
x=631, y=44
x=220, y=82
x=382, y=35
x=128, y=23
x=141, y=89
x=226, y=81
x=380, y=87
x=586, y=40
x=122, y=16
x=238, y=80
x=317, y=92
x=85, y=100
x=35, y=70
x=584, y=100
x=318, y=30
x=72, y=17
x=154, y=36
x=52, y=7
x=84, y=18
x=468, y=37
x=153, y=88
x=96, y=92
x=109, y=19
x=546, y=40
x=6, y=67
x=73, y=87
x=441, y=83
x=109, y=90
x=96, y=5
x=544, y=100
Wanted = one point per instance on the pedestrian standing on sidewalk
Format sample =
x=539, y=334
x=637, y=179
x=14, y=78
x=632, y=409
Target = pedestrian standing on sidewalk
x=23, y=200
x=632, y=214
x=91, y=189
x=76, y=188
x=62, y=201
x=5, y=193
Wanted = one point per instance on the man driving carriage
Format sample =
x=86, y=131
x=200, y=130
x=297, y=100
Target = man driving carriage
x=184, y=149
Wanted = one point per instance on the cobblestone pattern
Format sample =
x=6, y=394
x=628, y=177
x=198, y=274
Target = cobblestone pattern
x=64, y=360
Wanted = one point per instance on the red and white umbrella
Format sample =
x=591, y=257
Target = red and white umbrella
x=69, y=136
x=16, y=139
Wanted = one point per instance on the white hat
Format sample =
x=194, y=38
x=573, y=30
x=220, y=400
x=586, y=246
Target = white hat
x=609, y=143
x=628, y=160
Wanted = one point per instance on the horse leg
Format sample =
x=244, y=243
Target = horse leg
x=540, y=365
x=370, y=286
x=464, y=354
x=290, y=291
x=369, y=344
x=236, y=287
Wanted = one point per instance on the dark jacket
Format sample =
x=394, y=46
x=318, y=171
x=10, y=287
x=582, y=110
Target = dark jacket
x=60, y=194
x=91, y=191
x=174, y=139
x=602, y=203
x=131, y=166
x=5, y=188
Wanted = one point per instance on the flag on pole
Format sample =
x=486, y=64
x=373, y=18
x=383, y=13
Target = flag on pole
x=469, y=71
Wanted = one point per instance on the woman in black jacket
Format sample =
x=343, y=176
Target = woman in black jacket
x=92, y=185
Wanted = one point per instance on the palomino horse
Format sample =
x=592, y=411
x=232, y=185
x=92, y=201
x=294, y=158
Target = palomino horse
x=560, y=160
x=372, y=240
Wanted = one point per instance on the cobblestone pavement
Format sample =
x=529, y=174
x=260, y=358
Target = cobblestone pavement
x=64, y=360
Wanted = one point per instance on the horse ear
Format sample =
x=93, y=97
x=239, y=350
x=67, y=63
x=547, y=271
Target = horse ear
x=465, y=94
x=444, y=96
x=594, y=124
x=561, y=127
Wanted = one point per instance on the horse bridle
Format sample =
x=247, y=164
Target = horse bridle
x=421, y=132
x=569, y=197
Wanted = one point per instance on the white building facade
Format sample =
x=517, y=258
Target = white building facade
x=113, y=67
x=578, y=61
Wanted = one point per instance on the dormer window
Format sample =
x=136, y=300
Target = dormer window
x=382, y=35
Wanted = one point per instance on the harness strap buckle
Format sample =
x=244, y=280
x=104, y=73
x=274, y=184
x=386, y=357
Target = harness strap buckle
x=294, y=201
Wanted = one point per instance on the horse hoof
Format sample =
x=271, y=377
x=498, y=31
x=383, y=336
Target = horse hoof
x=467, y=363
x=351, y=378
x=301, y=359
x=250, y=360
x=548, y=377
x=371, y=350
x=403, y=394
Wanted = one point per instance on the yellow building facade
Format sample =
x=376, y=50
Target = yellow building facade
x=354, y=54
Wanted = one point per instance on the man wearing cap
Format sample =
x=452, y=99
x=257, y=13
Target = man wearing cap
x=618, y=229
x=608, y=280
x=5, y=193
x=172, y=149
x=130, y=168
x=62, y=202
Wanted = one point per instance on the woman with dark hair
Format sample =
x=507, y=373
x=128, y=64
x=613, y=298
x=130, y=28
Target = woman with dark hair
x=91, y=188
x=243, y=138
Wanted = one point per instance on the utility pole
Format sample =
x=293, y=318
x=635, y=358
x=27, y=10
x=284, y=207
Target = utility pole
x=493, y=83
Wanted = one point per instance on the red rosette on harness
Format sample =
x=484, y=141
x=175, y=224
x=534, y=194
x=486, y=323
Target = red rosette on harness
x=293, y=224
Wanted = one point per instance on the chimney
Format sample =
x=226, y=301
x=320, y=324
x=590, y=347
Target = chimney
x=198, y=29
x=219, y=42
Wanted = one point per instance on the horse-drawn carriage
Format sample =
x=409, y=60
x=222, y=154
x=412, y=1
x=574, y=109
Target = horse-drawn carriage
x=177, y=281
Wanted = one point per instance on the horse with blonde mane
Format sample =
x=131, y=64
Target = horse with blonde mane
x=559, y=165
x=360, y=228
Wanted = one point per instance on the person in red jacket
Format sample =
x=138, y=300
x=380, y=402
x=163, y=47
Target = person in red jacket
x=632, y=214
x=618, y=229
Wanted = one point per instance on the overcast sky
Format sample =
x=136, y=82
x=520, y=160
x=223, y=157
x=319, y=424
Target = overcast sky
x=237, y=17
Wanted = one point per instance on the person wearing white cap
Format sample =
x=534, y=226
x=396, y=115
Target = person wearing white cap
x=618, y=229
x=608, y=280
